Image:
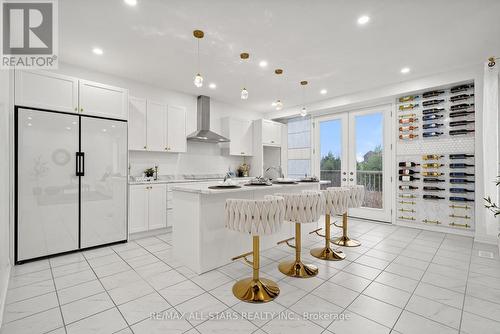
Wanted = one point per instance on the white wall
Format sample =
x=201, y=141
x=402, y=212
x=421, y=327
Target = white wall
x=4, y=187
x=201, y=158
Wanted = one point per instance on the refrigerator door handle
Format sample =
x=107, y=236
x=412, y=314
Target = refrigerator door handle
x=82, y=171
x=77, y=164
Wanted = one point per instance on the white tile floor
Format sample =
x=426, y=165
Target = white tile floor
x=400, y=280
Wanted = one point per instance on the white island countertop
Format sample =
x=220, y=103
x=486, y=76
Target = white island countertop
x=203, y=187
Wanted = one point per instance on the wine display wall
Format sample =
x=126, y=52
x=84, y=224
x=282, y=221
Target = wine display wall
x=435, y=158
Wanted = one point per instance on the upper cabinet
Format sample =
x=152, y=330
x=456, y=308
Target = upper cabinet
x=271, y=132
x=155, y=126
x=240, y=134
x=48, y=90
x=102, y=100
x=137, y=124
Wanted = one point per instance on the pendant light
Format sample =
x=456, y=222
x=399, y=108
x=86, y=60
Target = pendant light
x=303, y=111
x=278, y=104
x=198, y=79
x=244, y=92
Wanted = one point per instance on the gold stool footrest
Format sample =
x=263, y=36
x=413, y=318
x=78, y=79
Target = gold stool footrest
x=316, y=231
x=244, y=257
x=256, y=290
x=287, y=242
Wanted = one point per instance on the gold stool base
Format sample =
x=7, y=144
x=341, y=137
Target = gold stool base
x=260, y=290
x=346, y=242
x=326, y=253
x=294, y=268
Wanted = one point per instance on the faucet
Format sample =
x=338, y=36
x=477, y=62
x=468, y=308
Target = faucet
x=278, y=169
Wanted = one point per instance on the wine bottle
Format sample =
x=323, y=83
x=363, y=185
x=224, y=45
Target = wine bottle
x=408, y=136
x=433, y=189
x=432, y=93
x=460, y=123
x=460, y=165
x=408, y=178
x=407, y=187
x=461, y=88
x=432, y=111
x=433, y=197
x=458, y=181
x=461, y=113
x=460, y=174
x=431, y=174
x=461, y=106
x=461, y=156
x=408, y=98
x=431, y=117
x=408, y=120
x=408, y=106
x=431, y=134
x=431, y=102
x=408, y=164
x=432, y=157
x=407, y=196
x=432, y=180
x=432, y=165
x=432, y=126
x=459, y=132
x=460, y=199
x=460, y=190
x=407, y=128
x=461, y=97
x=408, y=116
x=407, y=172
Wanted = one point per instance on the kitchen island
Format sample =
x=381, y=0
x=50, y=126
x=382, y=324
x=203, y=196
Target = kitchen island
x=201, y=241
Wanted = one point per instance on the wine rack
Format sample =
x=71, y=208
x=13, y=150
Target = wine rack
x=435, y=174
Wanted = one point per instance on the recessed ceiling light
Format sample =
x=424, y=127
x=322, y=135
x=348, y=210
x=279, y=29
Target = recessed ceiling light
x=130, y=2
x=263, y=63
x=323, y=91
x=363, y=20
x=29, y=124
x=97, y=51
x=30, y=118
x=68, y=128
x=212, y=85
x=405, y=70
x=104, y=130
x=74, y=123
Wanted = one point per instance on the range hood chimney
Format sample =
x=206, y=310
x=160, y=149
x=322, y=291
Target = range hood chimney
x=203, y=133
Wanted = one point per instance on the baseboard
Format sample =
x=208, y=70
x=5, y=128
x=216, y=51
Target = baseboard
x=487, y=239
x=146, y=234
x=4, y=285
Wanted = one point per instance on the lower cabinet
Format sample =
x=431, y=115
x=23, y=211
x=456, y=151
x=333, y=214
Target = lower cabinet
x=147, y=207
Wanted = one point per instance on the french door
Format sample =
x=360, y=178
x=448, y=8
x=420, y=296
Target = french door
x=354, y=148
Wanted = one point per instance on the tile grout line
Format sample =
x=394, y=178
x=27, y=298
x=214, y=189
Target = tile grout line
x=465, y=291
x=57, y=296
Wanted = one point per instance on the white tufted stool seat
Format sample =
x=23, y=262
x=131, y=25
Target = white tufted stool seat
x=336, y=203
x=255, y=217
x=356, y=198
x=301, y=208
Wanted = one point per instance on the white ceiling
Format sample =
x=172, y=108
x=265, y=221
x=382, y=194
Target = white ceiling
x=317, y=40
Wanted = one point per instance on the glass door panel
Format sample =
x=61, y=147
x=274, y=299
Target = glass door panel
x=104, y=181
x=47, y=185
x=331, y=139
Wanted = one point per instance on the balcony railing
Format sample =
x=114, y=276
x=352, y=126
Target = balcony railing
x=372, y=180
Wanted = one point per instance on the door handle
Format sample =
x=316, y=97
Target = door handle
x=77, y=163
x=80, y=164
x=82, y=171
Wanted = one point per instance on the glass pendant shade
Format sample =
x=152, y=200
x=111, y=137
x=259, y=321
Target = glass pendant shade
x=198, y=80
x=303, y=112
x=244, y=94
x=279, y=105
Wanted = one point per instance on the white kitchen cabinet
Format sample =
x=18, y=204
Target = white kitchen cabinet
x=271, y=133
x=52, y=91
x=102, y=100
x=147, y=207
x=176, y=129
x=46, y=90
x=240, y=134
x=138, y=208
x=156, y=125
x=137, y=124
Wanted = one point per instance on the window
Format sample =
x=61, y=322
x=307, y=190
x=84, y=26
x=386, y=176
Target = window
x=299, y=147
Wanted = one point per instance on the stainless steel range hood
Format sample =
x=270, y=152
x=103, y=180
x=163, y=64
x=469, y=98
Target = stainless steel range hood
x=203, y=133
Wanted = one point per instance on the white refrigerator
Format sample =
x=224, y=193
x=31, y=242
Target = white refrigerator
x=70, y=182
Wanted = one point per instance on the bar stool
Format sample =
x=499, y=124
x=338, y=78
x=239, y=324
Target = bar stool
x=336, y=203
x=357, y=195
x=302, y=208
x=255, y=217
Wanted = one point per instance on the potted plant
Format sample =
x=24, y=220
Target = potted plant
x=149, y=172
x=494, y=208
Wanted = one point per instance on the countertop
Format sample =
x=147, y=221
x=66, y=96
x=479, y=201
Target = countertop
x=202, y=187
x=166, y=181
